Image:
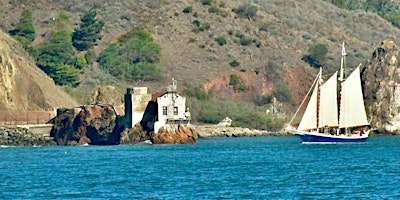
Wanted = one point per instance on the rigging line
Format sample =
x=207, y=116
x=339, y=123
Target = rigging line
x=298, y=109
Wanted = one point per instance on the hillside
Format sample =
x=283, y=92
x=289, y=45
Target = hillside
x=23, y=86
x=281, y=31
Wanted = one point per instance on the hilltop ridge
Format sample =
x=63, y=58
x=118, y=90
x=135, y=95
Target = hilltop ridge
x=281, y=33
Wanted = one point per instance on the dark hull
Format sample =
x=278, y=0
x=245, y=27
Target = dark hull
x=310, y=138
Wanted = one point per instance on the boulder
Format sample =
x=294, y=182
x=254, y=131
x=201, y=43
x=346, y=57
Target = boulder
x=134, y=135
x=175, y=134
x=90, y=124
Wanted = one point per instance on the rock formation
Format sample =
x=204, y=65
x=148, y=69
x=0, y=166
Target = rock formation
x=90, y=124
x=99, y=124
x=175, y=134
x=381, y=78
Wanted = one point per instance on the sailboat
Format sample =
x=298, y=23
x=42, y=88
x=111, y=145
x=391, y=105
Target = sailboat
x=334, y=115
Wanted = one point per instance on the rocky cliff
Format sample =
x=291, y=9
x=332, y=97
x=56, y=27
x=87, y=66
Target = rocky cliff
x=99, y=124
x=23, y=86
x=381, y=78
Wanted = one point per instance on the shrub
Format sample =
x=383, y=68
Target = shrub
x=234, y=63
x=220, y=40
x=282, y=93
x=191, y=40
x=196, y=23
x=188, y=9
x=237, y=83
x=245, y=41
x=134, y=57
x=206, y=2
x=316, y=55
x=247, y=11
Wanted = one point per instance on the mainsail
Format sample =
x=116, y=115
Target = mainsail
x=328, y=115
x=352, y=110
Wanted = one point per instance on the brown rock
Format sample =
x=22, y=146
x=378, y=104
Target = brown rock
x=381, y=78
x=175, y=134
x=134, y=135
x=91, y=124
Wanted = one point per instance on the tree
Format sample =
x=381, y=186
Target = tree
x=316, y=55
x=24, y=31
x=89, y=32
x=56, y=56
x=133, y=57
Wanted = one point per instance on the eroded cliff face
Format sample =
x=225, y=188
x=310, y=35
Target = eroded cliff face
x=381, y=78
x=8, y=73
x=23, y=86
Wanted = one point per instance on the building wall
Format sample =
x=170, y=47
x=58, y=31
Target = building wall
x=170, y=100
x=140, y=98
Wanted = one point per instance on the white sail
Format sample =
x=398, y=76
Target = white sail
x=309, y=120
x=352, y=110
x=328, y=108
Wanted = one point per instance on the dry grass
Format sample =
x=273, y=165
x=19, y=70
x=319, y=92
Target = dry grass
x=284, y=29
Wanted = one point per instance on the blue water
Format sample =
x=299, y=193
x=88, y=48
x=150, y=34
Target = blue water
x=224, y=168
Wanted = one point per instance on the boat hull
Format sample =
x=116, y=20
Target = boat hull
x=310, y=137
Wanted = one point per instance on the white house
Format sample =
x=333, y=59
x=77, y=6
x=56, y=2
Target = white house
x=171, y=108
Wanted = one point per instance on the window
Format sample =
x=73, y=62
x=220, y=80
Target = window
x=164, y=110
x=175, y=110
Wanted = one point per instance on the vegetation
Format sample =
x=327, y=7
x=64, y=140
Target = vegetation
x=220, y=40
x=242, y=114
x=283, y=94
x=25, y=31
x=89, y=32
x=206, y=2
x=316, y=55
x=133, y=57
x=247, y=10
x=294, y=27
x=234, y=63
x=56, y=56
x=387, y=9
x=237, y=83
x=188, y=9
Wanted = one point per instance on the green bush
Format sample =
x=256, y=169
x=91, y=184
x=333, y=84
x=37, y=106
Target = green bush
x=206, y=2
x=188, y=9
x=247, y=10
x=237, y=83
x=220, y=40
x=242, y=114
x=195, y=92
x=282, y=93
x=196, y=23
x=234, y=63
x=133, y=58
x=245, y=41
x=316, y=55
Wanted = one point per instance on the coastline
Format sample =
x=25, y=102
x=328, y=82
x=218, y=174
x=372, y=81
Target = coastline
x=210, y=131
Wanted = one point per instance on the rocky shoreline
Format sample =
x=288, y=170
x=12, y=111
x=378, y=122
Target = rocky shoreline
x=210, y=131
x=13, y=136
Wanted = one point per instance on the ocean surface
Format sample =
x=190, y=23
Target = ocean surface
x=219, y=168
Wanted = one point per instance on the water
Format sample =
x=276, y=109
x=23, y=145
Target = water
x=224, y=168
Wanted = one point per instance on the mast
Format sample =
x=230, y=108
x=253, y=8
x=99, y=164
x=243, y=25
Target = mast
x=341, y=79
x=342, y=63
x=319, y=95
